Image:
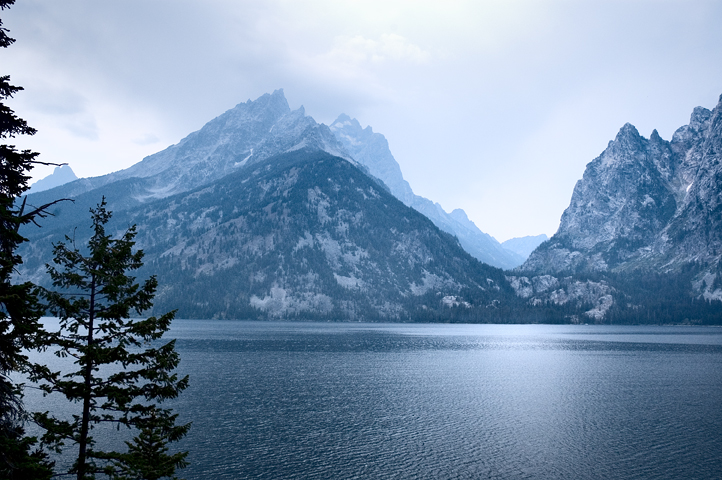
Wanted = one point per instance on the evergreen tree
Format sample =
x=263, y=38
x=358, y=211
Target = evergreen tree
x=19, y=308
x=147, y=455
x=94, y=306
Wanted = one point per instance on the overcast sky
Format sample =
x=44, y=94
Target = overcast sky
x=493, y=107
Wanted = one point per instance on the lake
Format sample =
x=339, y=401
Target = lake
x=340, y=400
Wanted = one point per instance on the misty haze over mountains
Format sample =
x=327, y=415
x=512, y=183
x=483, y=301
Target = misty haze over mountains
x=372, y=150
x=268, y=127
x=264, y=213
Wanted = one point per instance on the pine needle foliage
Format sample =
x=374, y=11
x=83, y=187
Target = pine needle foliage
x=148, y=454
x=121, y=372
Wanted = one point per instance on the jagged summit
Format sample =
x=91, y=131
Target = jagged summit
x=247, y=134
x=699, y=122
x=646, y=204
x=460, y=215
x=372, y=150
x=60, y=176
x=628, y=130
x=700, y=116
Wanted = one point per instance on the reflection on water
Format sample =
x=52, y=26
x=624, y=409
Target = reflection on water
x=312, y=400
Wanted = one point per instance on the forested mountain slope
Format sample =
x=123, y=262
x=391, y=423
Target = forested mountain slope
x=304, y=234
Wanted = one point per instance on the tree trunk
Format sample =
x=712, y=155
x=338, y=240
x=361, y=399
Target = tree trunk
x=85, y=422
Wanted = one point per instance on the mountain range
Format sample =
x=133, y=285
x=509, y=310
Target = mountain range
x=256, y=130
x=265, y=213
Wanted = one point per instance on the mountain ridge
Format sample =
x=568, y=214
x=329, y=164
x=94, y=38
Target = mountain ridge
x=257, y=129
x=238, y=138
x=524, y=246
x=263, y=213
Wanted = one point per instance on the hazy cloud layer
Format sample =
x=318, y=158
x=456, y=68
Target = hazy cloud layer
x=494, y=107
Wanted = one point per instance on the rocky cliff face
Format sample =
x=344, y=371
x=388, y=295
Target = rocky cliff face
x=372, y=150
x=594, y=298
x=646, y=205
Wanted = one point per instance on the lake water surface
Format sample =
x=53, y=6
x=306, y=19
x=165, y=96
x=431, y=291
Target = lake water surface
x=317, y=400
x=408, y=401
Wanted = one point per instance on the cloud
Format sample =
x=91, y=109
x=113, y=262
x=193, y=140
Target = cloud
x=54, y=101
x=389, y=47
x=352, y=72
x=146, y=139
x=64, y=106
x=83, y=126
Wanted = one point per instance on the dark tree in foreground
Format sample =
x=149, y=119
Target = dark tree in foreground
x=19, y=308
x=121, y=372
x=147, y=456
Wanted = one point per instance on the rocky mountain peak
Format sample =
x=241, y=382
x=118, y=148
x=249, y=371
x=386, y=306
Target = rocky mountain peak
x=269, y=104
x=628, y=138
x=352, y=132
x=460, y=215
x=349, y=126
x=685, y=136
x=245, y=135
x=699, y=119
x=645, y=205
x=628, y=146
x=372, y=150
x=627, y=131
x=60, y=176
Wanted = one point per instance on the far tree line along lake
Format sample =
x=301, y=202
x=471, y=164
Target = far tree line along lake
x=342, y=400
